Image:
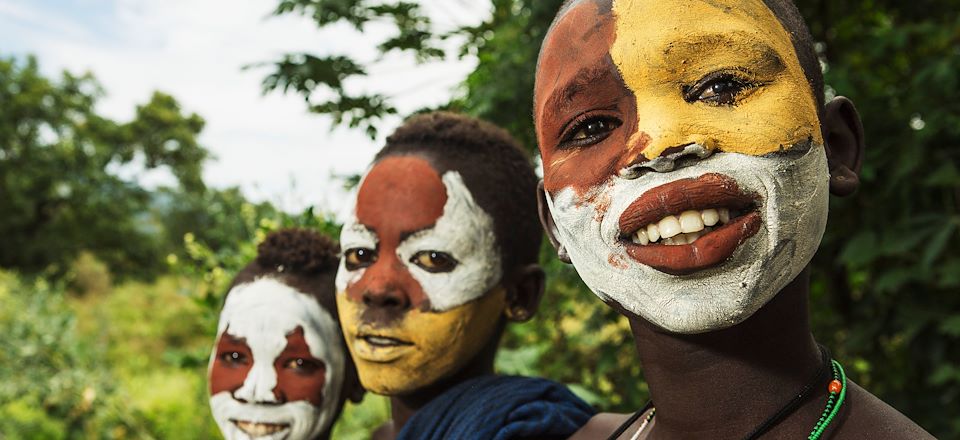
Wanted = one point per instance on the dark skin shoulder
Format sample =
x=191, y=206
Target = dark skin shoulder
x=863, y=415
x=600, y=426
x=384, y=432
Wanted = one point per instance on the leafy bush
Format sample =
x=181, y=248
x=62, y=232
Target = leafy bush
x=53, y=384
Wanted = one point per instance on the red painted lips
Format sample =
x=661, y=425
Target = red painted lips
x=705, y=192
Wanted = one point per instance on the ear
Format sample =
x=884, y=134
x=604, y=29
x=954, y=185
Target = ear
x=524, y=293
x=546, y=220
x=843, y=133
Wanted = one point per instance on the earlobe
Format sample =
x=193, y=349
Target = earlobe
x=546, y=220
x=843, y=135
x=524, y=293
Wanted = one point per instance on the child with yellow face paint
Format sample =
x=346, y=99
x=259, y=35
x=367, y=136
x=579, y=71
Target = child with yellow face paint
x=688, y=158
x=440, y=252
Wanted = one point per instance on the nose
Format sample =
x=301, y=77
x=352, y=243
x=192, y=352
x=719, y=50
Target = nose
x=259, y=385
x=669, y=160
x=383, y=286
x=386, y=297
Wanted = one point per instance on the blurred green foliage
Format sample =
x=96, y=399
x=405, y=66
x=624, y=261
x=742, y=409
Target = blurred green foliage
x=887, y=275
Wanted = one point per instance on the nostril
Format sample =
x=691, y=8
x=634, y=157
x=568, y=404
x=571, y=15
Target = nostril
x=388, y=300
x=671, y=159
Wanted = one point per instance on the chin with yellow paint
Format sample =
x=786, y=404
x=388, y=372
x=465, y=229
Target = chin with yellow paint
x=683, y=158
x=421, y=348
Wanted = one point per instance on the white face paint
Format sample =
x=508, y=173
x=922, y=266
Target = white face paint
x=464, y=231
x=793, y=202
x=263, y=313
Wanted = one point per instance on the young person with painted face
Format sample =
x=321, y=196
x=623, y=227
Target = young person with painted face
x=688, y=159
x=280, y=368
x=440, y=252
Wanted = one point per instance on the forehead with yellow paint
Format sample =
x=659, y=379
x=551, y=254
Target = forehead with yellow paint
x=627, y=81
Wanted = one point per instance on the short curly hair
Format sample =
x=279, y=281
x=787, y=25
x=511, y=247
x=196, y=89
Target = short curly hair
x=494, y=167
x=300, y=258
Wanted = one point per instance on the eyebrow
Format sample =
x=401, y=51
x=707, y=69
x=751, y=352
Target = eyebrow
x=575, y=86
x=761, y=56
x=416, y=233
x=234, y=339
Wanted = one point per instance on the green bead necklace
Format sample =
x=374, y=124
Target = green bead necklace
x=838, y=391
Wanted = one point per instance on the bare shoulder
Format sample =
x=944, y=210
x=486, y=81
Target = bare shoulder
x=384, y=432
x=865, y=416
x=600, y=426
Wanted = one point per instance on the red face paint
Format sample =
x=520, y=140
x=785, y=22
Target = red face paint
x=300, y=376
x=400, y=196
x=577, y=81
x=231, y=364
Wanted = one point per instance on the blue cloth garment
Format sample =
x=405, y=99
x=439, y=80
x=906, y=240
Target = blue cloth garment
x=499, y=408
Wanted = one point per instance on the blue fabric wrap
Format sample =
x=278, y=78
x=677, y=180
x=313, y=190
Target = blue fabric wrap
x=499, y=408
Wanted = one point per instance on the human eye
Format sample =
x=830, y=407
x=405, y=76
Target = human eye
x=234, y=358
x=589, y=130
x=302, y=365
x=434, y=261
x=358, y=258
x=721, y=89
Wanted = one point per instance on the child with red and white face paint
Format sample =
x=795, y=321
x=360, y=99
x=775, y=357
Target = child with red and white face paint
x=439, y=255
x=279, y=369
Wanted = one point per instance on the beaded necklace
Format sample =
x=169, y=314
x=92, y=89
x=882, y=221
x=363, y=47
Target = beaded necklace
x=837, y=391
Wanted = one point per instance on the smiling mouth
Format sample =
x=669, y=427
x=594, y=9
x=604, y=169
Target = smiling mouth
x=690, y=224
x=254, y=429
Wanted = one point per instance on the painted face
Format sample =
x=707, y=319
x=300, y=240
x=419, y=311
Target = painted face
x=277, y=369
x=417, y=283
x=683, y=158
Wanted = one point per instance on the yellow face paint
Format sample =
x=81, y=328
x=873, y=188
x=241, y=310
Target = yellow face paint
x=665, y=47
x=440, y=343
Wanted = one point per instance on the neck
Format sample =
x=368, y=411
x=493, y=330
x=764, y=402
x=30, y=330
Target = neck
x=724, y=383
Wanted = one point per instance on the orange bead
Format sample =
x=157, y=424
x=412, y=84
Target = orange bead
x=835, y=386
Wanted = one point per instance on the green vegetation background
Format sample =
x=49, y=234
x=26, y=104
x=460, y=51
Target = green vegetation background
x=109, y=292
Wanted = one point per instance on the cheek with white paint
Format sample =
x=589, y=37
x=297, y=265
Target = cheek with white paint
x=793, y=205
x=465, y=232
x=353, y=236
x=263, y=313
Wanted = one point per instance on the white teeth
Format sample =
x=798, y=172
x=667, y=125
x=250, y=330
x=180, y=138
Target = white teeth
x=377, y=340
x=641, y=237
x=710, y=217
x=683, y=229
x=653, y=233
x=669, y=226
x=255, y=430
x=691, y=221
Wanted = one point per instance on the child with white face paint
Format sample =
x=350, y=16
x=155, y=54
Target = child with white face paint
x=439, y=254
x=688, y=158
x=279, y=369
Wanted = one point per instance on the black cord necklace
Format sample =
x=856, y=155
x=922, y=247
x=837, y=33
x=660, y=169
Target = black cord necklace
x=771, y=421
